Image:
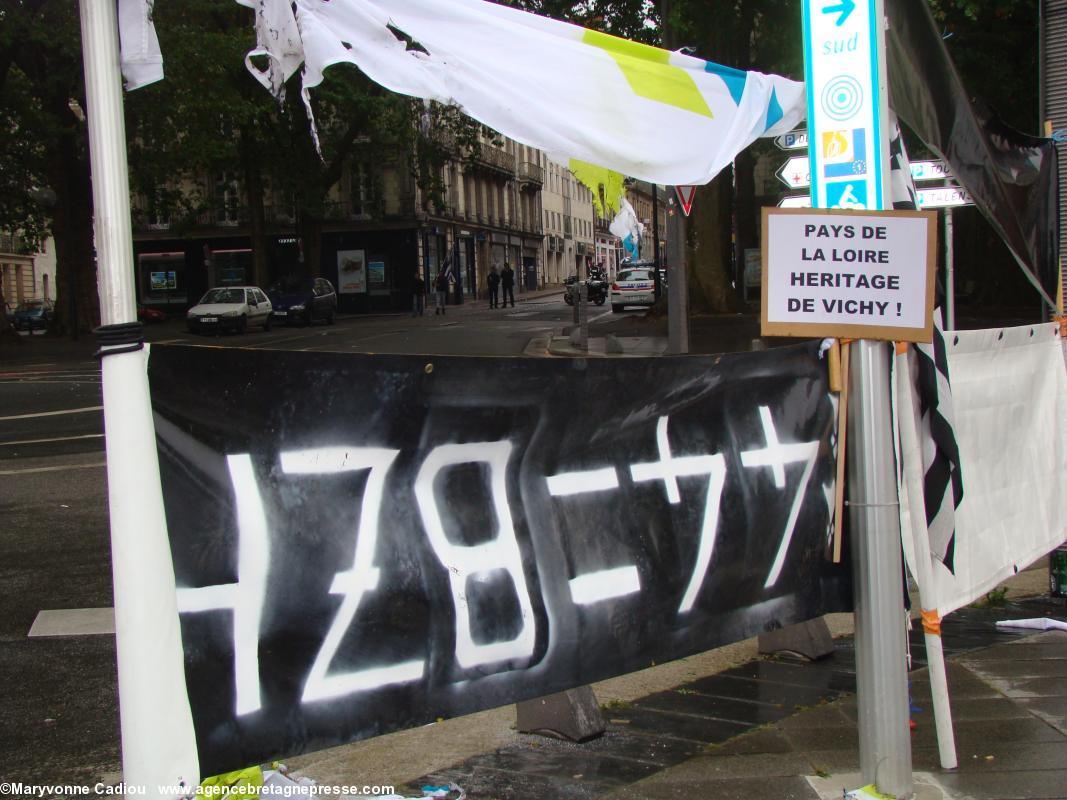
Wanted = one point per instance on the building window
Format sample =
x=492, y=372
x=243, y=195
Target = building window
x=359, y=192
x=227, y=199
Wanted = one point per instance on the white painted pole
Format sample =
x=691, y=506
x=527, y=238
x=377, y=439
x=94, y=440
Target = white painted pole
x=158, y=742
x=931, y=618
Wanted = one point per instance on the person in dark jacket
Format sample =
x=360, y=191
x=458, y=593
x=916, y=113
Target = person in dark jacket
x=493, y=279
x=441, y=288
x=507, y=283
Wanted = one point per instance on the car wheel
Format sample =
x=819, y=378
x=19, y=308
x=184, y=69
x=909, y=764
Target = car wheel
x=616, y=308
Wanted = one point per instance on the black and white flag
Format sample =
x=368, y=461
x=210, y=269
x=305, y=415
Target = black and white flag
x=928, y=363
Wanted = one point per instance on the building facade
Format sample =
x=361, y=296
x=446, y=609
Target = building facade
x=26, y=275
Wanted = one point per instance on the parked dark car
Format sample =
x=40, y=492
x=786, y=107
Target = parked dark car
x=303, y=300
x=32, y=314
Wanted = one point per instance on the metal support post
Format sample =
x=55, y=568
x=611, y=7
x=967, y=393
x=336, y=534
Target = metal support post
x=881, y=674
x=950, y=274
x=677, y=285
x=158, y=743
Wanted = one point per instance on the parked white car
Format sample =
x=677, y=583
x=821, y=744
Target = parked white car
x=633, y=287
x=230, y=308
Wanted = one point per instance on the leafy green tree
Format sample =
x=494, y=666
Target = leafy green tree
x=43, y=147
x=209, y=116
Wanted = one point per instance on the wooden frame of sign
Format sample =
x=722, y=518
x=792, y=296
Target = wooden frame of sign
x=841, y=330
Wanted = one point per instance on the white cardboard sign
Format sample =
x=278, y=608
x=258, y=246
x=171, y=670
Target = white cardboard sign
x=852, y=274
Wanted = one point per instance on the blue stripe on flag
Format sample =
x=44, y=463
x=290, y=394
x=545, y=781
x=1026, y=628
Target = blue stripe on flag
x=734, y=79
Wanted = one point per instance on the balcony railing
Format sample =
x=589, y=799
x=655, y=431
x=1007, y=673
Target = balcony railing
x=531, y=175
x=495, y=159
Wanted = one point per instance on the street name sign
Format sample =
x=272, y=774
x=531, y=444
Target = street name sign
x=852, y=274
x=794, y=140
x=795, y=201
x=844, y=69
x=796, y=173
x=930, y=171
x=944, y=197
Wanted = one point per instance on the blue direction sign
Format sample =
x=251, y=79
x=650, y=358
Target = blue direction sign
x=844, y=70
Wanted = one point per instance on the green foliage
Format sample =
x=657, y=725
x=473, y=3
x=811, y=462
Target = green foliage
x=994, y=45
x=40, y=73
x=993, y=599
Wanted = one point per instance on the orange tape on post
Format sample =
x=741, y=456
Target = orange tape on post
x=902, y=348
x=932, y=622
x=1063, y=326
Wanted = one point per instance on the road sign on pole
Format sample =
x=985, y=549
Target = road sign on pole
x=794, y=140
x=685, y=197
x=845, y=114
x=795, y=201
x=944, y=197
x=848, y=109
x=794, y=173
x=930, y=171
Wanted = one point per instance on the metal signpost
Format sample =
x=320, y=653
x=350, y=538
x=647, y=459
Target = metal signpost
x=845, y=73
x=678, y=278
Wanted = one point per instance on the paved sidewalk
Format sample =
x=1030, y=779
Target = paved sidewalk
x=782, y=728
x=777, y=728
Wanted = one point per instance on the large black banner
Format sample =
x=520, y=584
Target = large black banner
x=365, y=543
x=1012, y=176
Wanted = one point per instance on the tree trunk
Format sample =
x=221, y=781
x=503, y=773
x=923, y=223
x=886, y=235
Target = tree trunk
x=77, y=306
x=310, y=229
x=708, y=248
x=746, y=214
x=8, y=334
x=253, y=181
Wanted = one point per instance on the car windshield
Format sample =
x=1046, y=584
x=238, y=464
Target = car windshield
x=291, y=284
x=224, y=296
x=635, y=275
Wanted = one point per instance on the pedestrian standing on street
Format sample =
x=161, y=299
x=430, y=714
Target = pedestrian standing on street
x=418, y=295
x=493, y=280
x=441, y=288
x=507, y=282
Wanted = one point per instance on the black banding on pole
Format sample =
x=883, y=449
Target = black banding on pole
x=125, y=337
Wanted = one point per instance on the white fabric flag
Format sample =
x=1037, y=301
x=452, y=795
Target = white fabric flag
x=572, y=92
x=628, y=227
x=142, y=63
x=1009, y=391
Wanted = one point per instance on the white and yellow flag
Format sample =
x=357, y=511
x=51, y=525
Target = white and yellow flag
x=575, y=93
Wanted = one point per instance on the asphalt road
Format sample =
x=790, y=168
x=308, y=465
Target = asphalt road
x=58, y=705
